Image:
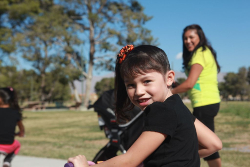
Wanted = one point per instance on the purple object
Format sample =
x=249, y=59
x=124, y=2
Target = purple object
x=69, y=164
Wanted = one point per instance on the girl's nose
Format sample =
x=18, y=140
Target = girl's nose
x=139, y=91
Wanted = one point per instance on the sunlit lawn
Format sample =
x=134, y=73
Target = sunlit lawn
x=63, y=134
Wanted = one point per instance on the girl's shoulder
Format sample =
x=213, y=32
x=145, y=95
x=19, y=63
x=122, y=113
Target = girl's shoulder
x=9, y=110
x=160, y=113
x=168, y=104
x=155, y=106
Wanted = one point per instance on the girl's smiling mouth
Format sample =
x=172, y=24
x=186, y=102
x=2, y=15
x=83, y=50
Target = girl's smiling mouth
x=143, y=102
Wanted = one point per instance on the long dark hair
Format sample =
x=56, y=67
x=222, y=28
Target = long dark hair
x=187, y=56
x=140, y=60
x=9, y=96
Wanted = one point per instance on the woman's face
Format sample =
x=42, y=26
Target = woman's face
x=191, y=39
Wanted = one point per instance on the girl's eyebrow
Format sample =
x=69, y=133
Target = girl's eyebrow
x=126, y=80
x=144, y=77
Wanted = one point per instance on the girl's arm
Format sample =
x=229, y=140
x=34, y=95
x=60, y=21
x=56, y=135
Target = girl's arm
x=189, y=83
x=145, y=145
x=21, y=129
x=209, y=142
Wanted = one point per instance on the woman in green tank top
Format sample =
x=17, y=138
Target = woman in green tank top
x=201, y=66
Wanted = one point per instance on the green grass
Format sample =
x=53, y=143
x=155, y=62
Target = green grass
x=61, y=134
x=233, y=126
x=69, y=133
x=241, y=109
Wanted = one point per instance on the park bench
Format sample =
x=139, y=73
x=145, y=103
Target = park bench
x=76, y=106
x=34, y=105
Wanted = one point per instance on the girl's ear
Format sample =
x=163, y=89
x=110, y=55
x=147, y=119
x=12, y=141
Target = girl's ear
x=170, y=78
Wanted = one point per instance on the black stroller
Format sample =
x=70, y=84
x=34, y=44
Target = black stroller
x=122, y=136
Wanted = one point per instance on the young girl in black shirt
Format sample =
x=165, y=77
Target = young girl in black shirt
x=143, y=79
x=10, y=114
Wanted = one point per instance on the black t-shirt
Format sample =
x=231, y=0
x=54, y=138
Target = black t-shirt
x=8, y=121
x=172, y=118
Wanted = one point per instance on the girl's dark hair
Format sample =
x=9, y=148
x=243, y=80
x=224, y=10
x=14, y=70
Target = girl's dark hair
x=9, y=96
x=140, y=60
x=187, y=56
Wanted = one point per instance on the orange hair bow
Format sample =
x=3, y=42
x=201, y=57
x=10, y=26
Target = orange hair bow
x=124, y=52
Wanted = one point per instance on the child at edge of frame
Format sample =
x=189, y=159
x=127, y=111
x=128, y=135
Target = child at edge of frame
x=11, y=116
x=172, y=136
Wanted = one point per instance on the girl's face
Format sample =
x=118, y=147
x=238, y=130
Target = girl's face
x=144, y=89
x=191, y=39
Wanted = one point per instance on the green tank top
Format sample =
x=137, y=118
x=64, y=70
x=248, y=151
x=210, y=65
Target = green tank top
x=205, y=90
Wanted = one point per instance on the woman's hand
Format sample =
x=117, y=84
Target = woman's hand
x=79, y=161
x=175, y=84
x=189, y=83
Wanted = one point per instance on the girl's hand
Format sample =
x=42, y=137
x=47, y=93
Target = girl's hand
x=21, y=129
x=79, y=161
x=20, y=134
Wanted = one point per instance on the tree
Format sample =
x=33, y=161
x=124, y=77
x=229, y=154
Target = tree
x=230, y=83
x=235, y=83
x=57, y=85
x=242, y=82
x=248, y=82
x=19, y=80
x=38, y=28
x=27, y=84
x=43, y=43
x=13, y=16
x=248, y=75
x=104, y=85
x=107, y=25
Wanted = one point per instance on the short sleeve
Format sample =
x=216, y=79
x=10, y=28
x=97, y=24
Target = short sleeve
x=193, y=118
x=198, y=58
x=160, y=118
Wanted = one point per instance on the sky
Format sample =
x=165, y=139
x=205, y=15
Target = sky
x=226, y=24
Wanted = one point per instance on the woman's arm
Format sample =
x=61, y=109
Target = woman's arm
x=209, y=142
x=145, y=145
x=189, y=83
x=21, y=129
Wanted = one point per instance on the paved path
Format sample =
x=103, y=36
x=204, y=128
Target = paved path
x=26, y=161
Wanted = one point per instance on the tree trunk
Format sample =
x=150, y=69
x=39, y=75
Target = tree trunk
x=75, y=92
x=43, y=74
x=91, y=64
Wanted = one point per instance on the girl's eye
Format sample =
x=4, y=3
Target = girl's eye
x=129, y=85
x=147, y=81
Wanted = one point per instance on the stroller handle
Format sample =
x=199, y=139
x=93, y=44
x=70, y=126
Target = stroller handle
x=131, y=121
x=90, y=106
